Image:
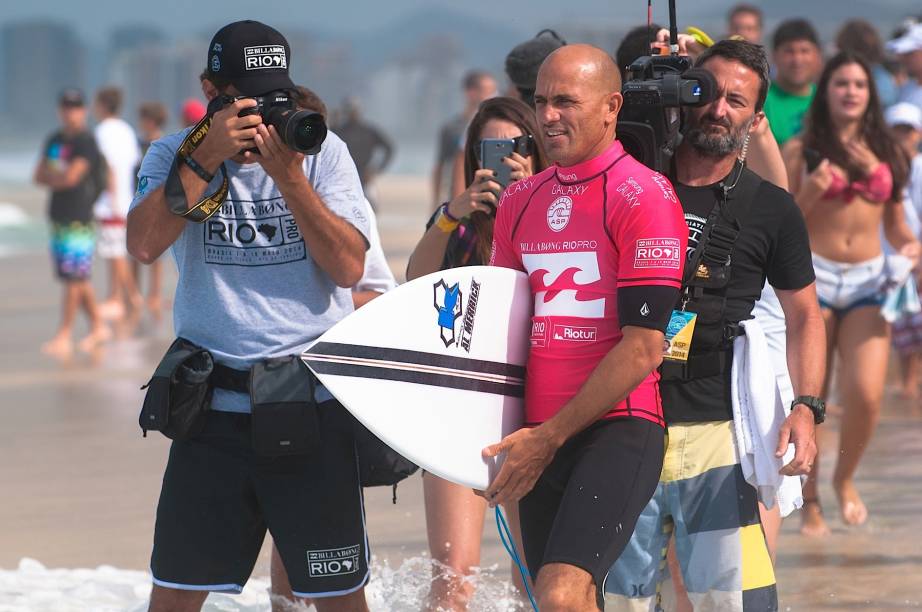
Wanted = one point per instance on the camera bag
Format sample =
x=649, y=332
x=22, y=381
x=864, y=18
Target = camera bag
x=379, y=464
x=179, y=392
x=284, y=418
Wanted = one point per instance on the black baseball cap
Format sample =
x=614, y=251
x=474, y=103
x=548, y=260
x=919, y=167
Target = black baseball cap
x=523, y=62
x=252, y=56
x=71, y=98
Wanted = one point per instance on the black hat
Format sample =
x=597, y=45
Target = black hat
x=71, y=98
x=252, y=56
x=524, y=60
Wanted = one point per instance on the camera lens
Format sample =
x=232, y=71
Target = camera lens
x=306, y=132
x=303, y=131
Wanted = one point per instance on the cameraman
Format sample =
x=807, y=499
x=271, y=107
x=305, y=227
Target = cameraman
x=703, y=497
x=262, y=278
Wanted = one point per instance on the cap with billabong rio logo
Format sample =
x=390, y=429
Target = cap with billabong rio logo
x=252, y=56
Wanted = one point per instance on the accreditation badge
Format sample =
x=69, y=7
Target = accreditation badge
x=679, y=335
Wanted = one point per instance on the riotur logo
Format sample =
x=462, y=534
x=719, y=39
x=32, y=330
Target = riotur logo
x=447, y=301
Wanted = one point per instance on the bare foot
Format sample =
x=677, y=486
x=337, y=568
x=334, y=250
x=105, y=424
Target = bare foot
x=111, y=310
x=95, y=338
x=812, y=523
x=853, y=510
x=59, y=346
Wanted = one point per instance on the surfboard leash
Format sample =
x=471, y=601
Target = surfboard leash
x=505, y=536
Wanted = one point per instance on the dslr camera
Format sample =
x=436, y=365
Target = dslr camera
x=649, y=125
x=304, y=131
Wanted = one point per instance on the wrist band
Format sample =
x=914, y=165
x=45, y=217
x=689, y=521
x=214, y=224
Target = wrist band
x=197, y=168
x=444, y=223
x=450, y=216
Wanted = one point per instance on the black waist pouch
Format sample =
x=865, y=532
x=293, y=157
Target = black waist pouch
x=179, y=393
x=379, y=464
x=285, y=420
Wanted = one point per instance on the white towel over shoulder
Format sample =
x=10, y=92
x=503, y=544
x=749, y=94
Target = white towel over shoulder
x=760, y=405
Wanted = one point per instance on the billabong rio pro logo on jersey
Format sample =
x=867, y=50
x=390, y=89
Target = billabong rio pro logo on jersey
x=447, y=301
x=657, y=253
x=268, y=56
x=558, y=213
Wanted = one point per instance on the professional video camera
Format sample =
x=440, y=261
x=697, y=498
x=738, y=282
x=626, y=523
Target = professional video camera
x=304, y=131
x=656, y=88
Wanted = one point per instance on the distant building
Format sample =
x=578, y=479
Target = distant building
x=39, y=58
x=168, y=73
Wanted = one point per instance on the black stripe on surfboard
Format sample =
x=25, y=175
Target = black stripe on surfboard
x=414, y=376
x=415, y=367
x=478, y=366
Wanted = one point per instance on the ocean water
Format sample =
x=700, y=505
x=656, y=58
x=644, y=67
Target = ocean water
x=32, y=587
x=19, y=231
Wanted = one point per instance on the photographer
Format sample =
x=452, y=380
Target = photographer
x=260, y=279
x=742, y=229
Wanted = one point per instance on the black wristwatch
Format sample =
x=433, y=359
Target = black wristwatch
x=815, y=404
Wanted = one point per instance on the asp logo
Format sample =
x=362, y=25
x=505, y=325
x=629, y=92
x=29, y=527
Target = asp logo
x=558, y=213
x=447, y=301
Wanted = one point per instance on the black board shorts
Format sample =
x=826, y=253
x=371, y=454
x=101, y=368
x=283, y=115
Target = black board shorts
x=218, y=499
x=584, y=506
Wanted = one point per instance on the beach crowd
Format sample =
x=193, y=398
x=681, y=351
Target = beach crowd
x=785, y=218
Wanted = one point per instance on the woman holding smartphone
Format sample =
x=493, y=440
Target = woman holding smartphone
x=460, y=233
x=855, y=186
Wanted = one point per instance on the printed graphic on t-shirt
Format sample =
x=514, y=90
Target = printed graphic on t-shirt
x=695, y=227
x=557, y=279
x=262, y=233
x=58, y=156
x=657, y=253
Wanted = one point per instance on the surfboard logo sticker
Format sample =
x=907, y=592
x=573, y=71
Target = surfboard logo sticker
x=467, y=325
x=447, y=301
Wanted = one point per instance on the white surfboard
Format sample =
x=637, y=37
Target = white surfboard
x=435, y=367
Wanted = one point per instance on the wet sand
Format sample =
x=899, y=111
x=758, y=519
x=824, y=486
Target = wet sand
x=79, y=484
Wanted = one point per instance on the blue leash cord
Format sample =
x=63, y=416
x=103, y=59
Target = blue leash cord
x=505, y=537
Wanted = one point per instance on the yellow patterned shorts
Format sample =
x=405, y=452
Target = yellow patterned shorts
x=713, y=512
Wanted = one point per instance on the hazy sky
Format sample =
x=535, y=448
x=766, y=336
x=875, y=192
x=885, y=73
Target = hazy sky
x=189, y=15
x=93, y=18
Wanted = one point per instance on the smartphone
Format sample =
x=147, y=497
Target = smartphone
x=812, y=158
x=492, y=152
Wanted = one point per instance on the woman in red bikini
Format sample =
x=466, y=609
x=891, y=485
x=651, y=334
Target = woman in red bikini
x=847, y=175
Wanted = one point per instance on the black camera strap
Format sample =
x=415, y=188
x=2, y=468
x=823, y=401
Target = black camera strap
x=175, y=192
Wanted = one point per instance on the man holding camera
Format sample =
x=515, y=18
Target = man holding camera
x=259, y=280
x=742, y=229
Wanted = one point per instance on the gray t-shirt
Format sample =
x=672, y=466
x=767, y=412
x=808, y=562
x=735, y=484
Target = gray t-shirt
x=248, y=287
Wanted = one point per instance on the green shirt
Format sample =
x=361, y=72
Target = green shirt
x=785, y=111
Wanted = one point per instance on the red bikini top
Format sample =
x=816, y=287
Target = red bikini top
x=875, y=188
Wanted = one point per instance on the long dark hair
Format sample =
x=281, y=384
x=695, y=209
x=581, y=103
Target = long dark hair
x=505, y=109
x=820, y=132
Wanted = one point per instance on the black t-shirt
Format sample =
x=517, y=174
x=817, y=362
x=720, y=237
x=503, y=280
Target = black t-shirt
x=76, y=203
x=773, y=243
